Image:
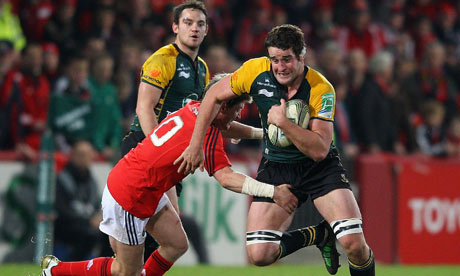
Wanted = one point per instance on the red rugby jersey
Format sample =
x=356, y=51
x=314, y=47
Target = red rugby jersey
x=141, y=177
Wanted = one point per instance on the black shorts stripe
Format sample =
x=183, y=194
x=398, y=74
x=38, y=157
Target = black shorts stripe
x=130, y=241
x=133, y=229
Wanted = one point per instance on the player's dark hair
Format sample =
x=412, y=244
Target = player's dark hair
x=286, y=36
x=232, y=102
x=192, y=4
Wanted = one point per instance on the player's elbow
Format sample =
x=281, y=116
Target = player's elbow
x=140, y=110
x=223, y=176
x=224, y=181
x=319, y=155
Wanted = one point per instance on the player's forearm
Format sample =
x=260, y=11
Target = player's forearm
x=240, y=183
x=310, y=143
x=242, y=131
x=147, y=119
x=208, y=111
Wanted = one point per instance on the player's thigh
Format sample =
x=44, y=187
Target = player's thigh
x=266, y=216
x=166, y=227
x=337, y=204
x=172, y=195
x=129, y=259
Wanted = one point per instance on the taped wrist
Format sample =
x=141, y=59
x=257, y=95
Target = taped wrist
x=257, y=133
x=257, y=188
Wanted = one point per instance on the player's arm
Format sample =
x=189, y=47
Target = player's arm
x=193, y=155
x=242, y=131
x=147, y=99
x=240, y=183
x=313, y=142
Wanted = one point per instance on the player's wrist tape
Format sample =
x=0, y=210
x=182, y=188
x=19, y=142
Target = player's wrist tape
x=257, y=188
x=257, y=133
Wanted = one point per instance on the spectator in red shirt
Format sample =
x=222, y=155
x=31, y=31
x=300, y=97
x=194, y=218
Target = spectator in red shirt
x=361, y=32
x=34, y=89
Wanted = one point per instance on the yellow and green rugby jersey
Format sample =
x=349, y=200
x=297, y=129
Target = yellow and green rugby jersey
x=180, y=79
x=256, y=78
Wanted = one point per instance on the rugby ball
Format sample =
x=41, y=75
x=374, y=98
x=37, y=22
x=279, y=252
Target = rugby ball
x=298, y=113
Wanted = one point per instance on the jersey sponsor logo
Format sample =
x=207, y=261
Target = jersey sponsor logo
x=266, y=93
x=327, y=105
x=184, y=74
x=152, y=79
x=195, y=110
x=235, y=76
x=155, y=73
x=266, y=83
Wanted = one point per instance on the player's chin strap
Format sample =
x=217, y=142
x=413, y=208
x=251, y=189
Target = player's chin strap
x=263, y=236
x=347, y=226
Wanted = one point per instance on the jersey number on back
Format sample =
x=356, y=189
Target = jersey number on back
x=166, y=130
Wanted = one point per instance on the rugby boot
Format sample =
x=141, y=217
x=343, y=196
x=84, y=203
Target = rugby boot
x=328, y=249
x=47, y=263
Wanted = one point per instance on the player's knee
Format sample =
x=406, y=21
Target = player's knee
x=260, y=255
x=263, y=246
x=182, y=247
x=179, y=247
x=353, y=245
x=349, y=232
x=175, y=248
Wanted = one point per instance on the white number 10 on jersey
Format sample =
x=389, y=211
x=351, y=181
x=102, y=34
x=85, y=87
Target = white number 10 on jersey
x=178, y=124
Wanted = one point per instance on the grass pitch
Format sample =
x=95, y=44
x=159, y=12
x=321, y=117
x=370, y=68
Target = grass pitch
x=276, y=270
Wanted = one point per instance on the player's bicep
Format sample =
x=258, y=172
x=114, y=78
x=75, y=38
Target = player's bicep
x=148, y=96
x=323, y=128
x=221, y=91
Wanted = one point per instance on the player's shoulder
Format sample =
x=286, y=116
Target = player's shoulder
x=165, y=54
x=250, y=70
x=318, y=81
x=167, y=51
x=260, y=64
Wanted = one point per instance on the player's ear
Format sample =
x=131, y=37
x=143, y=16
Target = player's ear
x=175, y=28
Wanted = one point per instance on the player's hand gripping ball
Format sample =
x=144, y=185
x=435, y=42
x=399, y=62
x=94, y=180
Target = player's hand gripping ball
x=298, y=113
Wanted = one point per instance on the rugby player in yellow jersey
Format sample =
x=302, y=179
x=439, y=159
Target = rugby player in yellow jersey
x=312, y=164
x=172, y=76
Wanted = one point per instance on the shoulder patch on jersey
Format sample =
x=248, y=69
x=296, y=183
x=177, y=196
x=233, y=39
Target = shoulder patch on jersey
x=327, y=105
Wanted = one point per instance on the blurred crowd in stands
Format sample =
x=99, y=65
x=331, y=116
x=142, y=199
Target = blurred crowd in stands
x=73, y=66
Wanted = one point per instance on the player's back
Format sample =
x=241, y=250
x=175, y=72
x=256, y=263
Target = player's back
x=142, y=176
